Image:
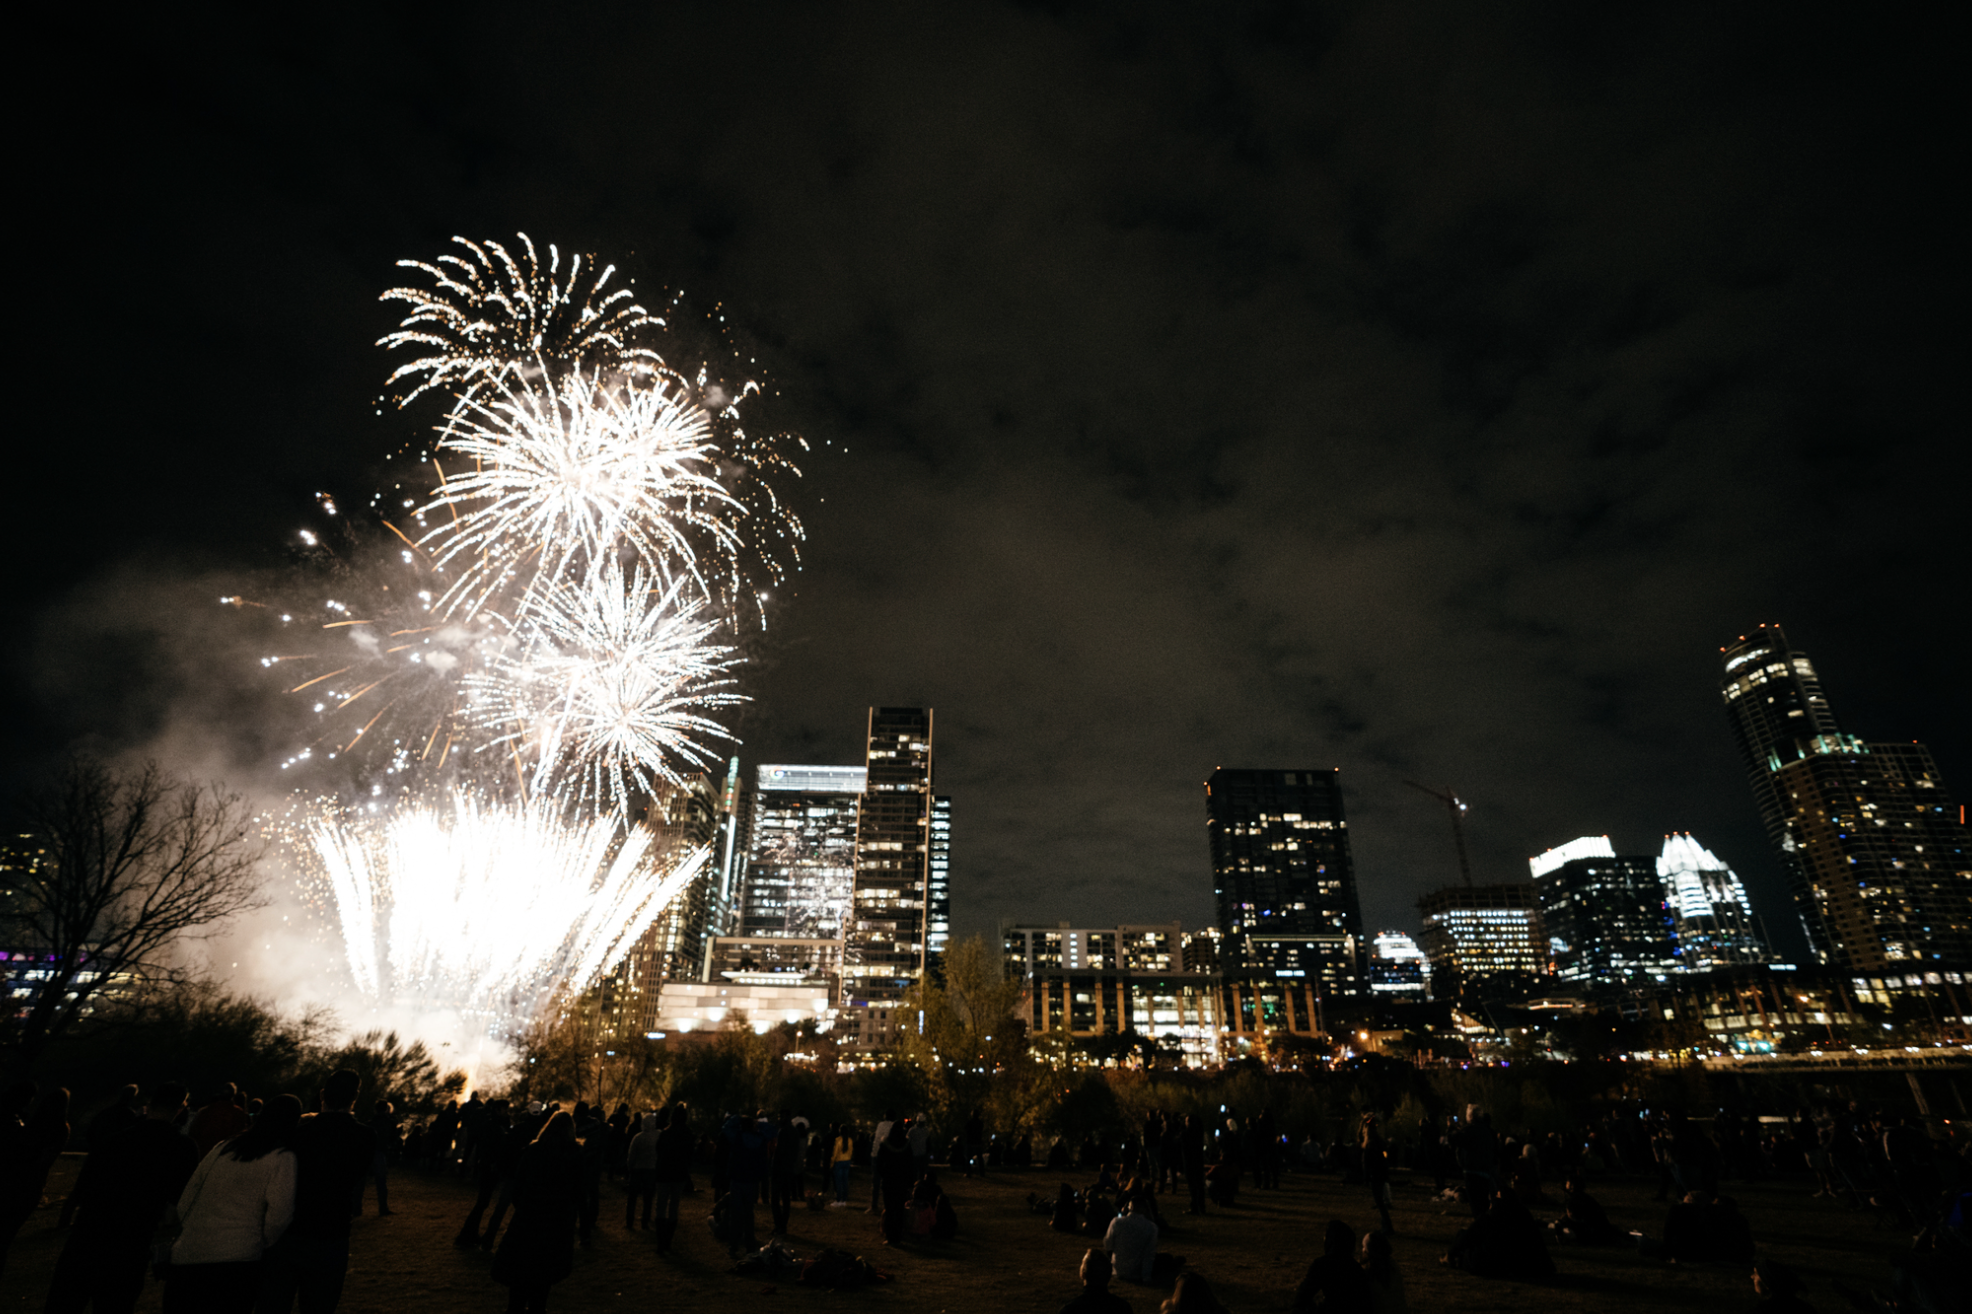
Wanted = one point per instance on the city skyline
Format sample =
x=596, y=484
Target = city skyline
x=1410, y=393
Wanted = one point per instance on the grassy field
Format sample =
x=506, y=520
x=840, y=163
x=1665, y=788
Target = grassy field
x=1006, y=1258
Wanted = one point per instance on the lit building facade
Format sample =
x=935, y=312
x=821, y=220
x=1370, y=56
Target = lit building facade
x=801, y=867
x=1884, y=854
x=1711, y=918
x=1605, y=914
x=886, y=936
x=939, y=915
x=1283, y=877
x=1874, y=848
x=1398, y=967
x=1473, y=931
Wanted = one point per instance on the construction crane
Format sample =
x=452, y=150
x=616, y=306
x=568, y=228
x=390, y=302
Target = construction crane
x=1456, y=806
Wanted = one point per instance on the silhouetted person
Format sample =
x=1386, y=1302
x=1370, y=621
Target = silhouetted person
x=1335, y=1283
x=674, y=1166
x=1583, y=1221
x=121, y=1113
x=1506, y=1243
x=784, y=1173
x=539, y=1249
x=1096, y=1297
x=333, y=1152
x=28, y=1154
x=486, y=1162
x=389, y=1141
x=220, y=1119
x=640, y=1171
x=237, y=1204
x=125, y=1185
x=749, y=1146
x=893, y=1166
x=1192, y=1154
x=1386, y=1280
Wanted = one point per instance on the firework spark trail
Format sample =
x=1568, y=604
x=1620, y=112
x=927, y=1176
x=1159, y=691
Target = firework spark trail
x=485, y=907
x=612, y=689
x=566, y=469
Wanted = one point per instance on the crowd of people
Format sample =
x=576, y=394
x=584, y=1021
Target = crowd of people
x=239, y=1204
x=236, y=1204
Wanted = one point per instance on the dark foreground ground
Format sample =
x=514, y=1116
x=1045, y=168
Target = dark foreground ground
x=1006, y=1259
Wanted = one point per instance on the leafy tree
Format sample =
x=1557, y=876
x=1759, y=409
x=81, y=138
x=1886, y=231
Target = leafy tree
x=113, y=869
x=969, y=1032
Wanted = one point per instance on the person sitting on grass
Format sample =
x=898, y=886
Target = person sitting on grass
x=1192, y=1296
x=1222, y=1182
x=1698, y=1228
x=1582, y=1221
x=1099, y=1208
x=1504, y=1243
x=1066, y=1216
x=1386, y=1281
x=1096, y=1297
x=931, y=1210
x=1335, y=1283
x=1131, y=1240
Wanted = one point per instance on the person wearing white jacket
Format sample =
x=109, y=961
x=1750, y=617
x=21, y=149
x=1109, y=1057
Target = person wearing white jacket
x=236, y=1205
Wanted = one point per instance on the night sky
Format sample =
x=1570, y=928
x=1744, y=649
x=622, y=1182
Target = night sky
x=1426, y=391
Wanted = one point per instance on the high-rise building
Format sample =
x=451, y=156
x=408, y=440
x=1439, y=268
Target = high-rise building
x=1604, y=913
x=1474, y=931
x=1779, y=714
x=1874, y=849
x=1398, y=967
x=801, y=864
x=1885, y=856
x=1282, y=873
x=1711, y=919
x=939, y=914
x=885, y=951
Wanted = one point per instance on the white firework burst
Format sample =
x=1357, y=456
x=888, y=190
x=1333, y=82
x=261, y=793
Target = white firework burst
x=611, y=697
x=490, y=315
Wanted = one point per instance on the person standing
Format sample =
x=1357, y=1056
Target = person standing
x=1376, y=1168
x=489, y=1156
x=332, y=1154
x=30, y=1152
x=118, y=1115
x=749, y=1152
x=640, y=1172
x=892, y=1169
x=539, y=1249
x=673, y=1173
x=1193, y=1154
x=221, y=1119
x=876, y=1182
x=389, y=1140
x=237, y=1204
x=919, y=1135
x=784, y=1176
x=126, y=1183
x=975, y=1144
x=842, y=1157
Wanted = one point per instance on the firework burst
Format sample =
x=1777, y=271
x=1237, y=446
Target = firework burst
x=489, y=315
x=610, y=697
x=565, y=470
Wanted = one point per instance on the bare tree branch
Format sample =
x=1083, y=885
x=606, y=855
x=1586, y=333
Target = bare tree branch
x=113, y=868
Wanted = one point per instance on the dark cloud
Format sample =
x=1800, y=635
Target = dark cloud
x=1426, y=391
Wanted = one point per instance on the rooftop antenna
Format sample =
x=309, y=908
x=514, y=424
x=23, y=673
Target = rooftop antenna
x=1456, y=806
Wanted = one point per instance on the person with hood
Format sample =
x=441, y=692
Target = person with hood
x=640, y=1170
x=539, y=1247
